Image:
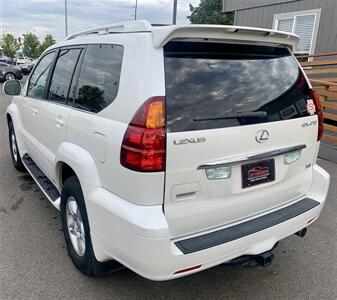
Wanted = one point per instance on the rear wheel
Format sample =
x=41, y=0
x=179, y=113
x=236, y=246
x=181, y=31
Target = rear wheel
x=77, y=231
x=15, y=154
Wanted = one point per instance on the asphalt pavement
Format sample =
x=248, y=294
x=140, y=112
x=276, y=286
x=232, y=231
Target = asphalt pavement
x=34, y=263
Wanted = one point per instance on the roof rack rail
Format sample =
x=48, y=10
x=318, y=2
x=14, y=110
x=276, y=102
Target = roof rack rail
x=122, y=27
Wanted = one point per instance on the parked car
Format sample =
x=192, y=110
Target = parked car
x=6, y=60
x=9, y=72
x=171, y=149
x=21, y=58
x=27, y=68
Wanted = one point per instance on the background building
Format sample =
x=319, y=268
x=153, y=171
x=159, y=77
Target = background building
x=315, y=21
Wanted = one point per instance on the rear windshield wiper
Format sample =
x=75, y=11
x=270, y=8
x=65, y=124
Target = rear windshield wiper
x=247, y=114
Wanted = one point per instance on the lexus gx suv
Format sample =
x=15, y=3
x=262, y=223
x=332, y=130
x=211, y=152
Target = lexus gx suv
x=171, y=149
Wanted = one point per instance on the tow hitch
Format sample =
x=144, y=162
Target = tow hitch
x=263, y=259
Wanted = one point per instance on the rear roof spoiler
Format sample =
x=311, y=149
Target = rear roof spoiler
x=162, y=35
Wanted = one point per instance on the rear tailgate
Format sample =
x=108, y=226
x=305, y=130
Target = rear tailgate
x=233, y=114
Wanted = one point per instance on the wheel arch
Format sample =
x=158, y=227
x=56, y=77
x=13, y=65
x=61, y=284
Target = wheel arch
x=9, y=72
x=13, y=115
x=64, y=171
x=71, y=159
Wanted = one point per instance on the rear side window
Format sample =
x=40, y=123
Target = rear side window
x=99, y=77
x=63, y=74
x=38, y=80
x=215, y=85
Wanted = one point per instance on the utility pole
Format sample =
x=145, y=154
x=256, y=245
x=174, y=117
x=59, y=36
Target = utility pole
x=174, y=21
x=66, y=17
x=136, y=6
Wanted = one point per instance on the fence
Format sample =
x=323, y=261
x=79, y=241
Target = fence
x=322, y=73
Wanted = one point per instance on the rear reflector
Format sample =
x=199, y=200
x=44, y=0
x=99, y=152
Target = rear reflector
x=144, y=143
x=187, y=269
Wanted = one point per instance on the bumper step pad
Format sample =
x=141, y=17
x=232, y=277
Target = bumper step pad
x=241, y=230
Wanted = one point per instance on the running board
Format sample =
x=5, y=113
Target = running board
x=44, y=183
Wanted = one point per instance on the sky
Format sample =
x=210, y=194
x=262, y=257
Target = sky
x=47, y=16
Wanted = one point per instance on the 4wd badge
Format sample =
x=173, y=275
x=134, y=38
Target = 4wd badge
x=311, y=108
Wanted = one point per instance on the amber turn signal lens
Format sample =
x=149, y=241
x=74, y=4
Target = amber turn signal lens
x=155, y=114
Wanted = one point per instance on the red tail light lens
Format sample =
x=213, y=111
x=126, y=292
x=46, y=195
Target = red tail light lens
x=319, y=112
x=144, y=143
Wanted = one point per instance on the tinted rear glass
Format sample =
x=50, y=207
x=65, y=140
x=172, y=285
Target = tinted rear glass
x=99, y=77
x=62, y=75
x=214, y=85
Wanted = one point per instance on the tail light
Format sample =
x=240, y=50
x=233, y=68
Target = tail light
x=144, y=143
x=319, y=112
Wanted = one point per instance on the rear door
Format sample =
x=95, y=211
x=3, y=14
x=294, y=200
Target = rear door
x=54, y=112
x=241, y=134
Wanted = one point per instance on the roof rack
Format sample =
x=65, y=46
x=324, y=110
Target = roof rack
x=122, y=27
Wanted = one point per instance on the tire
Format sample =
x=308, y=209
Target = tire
x=14, y=149
x=75, y=220
x=9, y=76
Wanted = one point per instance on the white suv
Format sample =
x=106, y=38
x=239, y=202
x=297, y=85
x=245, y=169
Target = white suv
x=171, y=149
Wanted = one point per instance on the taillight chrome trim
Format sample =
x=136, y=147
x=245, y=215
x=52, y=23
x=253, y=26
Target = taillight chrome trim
x=258, y=156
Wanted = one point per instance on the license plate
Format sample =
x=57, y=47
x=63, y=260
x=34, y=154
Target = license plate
x=258, y=172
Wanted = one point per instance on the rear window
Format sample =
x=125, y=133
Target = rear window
x=216, y=85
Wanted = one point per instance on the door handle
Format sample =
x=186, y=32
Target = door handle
x=59, y=122
x=35, y=111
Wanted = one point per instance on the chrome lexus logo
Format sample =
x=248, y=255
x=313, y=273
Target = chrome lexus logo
x=262, y=136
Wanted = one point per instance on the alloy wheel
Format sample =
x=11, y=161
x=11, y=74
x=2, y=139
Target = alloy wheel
x=75, y=226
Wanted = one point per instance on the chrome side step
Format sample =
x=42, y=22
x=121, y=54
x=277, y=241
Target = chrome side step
x=44, y=183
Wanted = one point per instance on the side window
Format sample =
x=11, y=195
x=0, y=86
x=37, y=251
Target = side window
x=63, y=74
x=38, y=80
x=99, y=77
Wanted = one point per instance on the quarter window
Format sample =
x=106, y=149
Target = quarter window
x=99, y=77
x=38, y=80
x=63, y=73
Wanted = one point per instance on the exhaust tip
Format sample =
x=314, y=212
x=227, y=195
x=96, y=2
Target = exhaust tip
x=302, y=232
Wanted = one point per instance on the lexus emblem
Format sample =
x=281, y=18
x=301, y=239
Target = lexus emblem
x=262, y=136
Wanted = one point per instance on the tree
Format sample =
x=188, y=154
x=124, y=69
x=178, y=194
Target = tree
x=31, y=45
x=210, y=12
x=47, y=42
x=9, y=45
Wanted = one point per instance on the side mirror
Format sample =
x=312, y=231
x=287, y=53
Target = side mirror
x=12, y=87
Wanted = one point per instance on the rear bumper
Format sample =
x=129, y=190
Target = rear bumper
x=139, y=238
